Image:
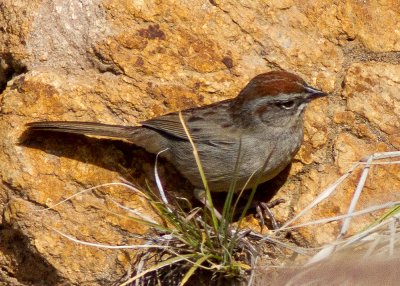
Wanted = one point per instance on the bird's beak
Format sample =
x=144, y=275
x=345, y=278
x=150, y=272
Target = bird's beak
x=314, y=93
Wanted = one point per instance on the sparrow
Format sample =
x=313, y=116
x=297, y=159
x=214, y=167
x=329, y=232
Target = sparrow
x=250, y=138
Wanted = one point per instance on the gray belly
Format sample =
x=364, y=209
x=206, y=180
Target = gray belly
x=225, y=163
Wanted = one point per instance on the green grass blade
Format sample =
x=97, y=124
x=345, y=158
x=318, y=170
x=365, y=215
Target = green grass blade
x=227, y=212
x=393, y=211
x=203, y=177
x=192, y=269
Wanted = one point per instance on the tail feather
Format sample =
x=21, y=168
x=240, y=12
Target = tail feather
x=85, y=128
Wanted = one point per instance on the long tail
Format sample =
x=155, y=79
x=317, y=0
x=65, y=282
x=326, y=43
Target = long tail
x=144, y=137
x=85, y=128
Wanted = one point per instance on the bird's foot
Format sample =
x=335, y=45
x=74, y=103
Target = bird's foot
x=264, y=212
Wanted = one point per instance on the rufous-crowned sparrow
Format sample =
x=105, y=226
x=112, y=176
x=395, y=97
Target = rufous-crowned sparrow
x=261, y=129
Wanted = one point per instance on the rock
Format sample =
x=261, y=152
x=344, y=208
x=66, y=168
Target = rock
x=123, y=62
x=367, y=123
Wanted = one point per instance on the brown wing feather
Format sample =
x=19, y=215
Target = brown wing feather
x=169, y=124
x=201, y=128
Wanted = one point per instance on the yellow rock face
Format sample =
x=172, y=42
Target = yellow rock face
x=122, y=62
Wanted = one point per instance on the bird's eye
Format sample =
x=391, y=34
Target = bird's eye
x=287, y=104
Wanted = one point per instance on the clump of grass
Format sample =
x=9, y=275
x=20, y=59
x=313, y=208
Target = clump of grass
x=183, y=246
x=192, y=245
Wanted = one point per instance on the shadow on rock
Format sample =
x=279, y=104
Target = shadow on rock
x=135, y=164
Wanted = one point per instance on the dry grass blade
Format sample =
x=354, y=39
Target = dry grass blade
x=370, y=257
x=345, y=216
x=356, y=196
x=98, y=245
x=341, y=243
x=156, y=267
x=330, y=189
x=158, y=181
x=136, y=213
x=94, y=188
x=324, y=195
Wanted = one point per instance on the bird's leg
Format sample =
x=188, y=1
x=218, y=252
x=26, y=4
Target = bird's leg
x=200, y=195
x=264, y=211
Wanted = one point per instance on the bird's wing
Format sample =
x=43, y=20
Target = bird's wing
x=202, y=128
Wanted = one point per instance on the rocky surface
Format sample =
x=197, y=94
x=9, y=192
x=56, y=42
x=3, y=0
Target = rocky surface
x=126, y=61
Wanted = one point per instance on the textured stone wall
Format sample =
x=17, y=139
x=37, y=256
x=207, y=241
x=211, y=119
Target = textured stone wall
x=122, y=62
